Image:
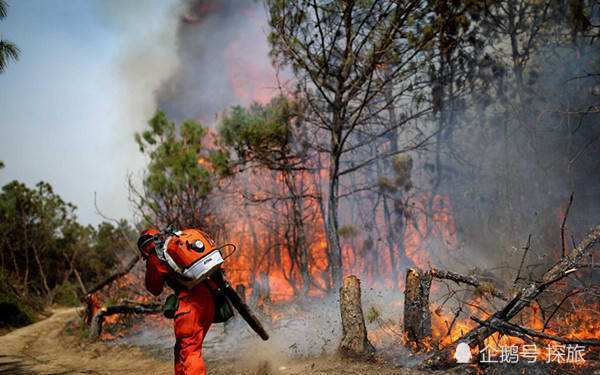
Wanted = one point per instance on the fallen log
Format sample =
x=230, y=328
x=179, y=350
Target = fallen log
x=354, y=342
x=417, y=317
x=102, y=313
x=560, y=270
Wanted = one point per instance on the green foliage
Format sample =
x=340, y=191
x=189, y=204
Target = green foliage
x=14, y=312
x=77, y=327
x=174, y=160
x=402, y=167
x=65, y=294
x=261, y=133
x=578, y=16
x=373, y=314
x=180, y=173
x=221, y=161
x=42, y=245
x=8, y=50
x=348, y=231
x=104, y=248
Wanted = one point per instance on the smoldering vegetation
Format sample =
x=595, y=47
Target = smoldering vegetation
x=302, y=330
x=508, y=134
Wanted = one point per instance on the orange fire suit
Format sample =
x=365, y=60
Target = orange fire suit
x=195, y=313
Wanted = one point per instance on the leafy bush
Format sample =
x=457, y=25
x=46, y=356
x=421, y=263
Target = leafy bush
x=373, y=314
x=66, y=294
x=13, y=311
x=44, y=247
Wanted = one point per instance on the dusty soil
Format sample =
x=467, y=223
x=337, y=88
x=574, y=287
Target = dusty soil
x=45, y=348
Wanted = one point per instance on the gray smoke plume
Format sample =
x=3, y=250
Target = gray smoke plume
x=223, y=60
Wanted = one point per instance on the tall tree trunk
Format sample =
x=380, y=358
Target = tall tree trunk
x=333, y=237
x=42, y=273
x=26, y=276
x=395, y=242
x=253, y=236
x=299, y=233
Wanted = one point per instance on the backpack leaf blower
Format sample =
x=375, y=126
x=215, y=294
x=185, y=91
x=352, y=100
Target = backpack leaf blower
x=193, y=257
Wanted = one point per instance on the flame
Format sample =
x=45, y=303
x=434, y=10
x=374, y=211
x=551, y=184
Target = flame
x=264, y=264
x=571, y=324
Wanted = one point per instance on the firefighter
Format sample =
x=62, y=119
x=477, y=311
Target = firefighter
x=194, y=313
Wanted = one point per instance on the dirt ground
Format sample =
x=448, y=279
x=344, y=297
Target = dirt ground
x=44, y=348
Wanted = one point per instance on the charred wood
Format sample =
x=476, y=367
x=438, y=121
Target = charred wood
x=480, y=285
x=417, y=316
x=559, y=271
x=102, y=313
x=115, y=275
x=354, y=340
x=513, y=329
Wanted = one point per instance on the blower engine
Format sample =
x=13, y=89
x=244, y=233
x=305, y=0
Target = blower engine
x=192, y=256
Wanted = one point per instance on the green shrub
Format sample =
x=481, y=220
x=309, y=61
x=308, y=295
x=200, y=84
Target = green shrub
x=13, y=311
x=66, y=295
x=373, y=314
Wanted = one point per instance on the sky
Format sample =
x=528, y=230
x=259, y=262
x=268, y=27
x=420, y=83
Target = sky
x=71, y=104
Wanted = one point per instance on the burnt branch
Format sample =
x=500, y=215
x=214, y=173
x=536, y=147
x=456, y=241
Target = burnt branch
x=118, y=226
x=525, y=251
x=563, y=242
x=560, y=270
x=115, y=276
x=512, y=329
x=101, y=314
x=558, y=306
x=473, y=281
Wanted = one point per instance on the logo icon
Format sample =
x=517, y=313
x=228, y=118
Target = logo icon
x=462, y=353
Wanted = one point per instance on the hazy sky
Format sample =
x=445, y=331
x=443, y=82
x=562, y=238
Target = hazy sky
x=68, y=107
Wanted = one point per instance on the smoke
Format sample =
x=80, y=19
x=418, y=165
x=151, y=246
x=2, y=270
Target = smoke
x=302, y=330
x=506, y=174
x=145, y=33
x=223, y=60
x=509, y=168
x=191, y=59
x=148, y=58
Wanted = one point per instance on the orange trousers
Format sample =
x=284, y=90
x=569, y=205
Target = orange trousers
x=193, y=318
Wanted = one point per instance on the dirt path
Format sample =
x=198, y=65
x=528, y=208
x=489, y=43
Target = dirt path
x=44, y=348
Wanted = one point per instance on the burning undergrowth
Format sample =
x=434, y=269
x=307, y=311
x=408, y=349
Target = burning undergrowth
x=311, y=326
x=466, y=206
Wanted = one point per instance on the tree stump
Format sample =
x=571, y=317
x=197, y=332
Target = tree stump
x=354, y=340
x=417, y=317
